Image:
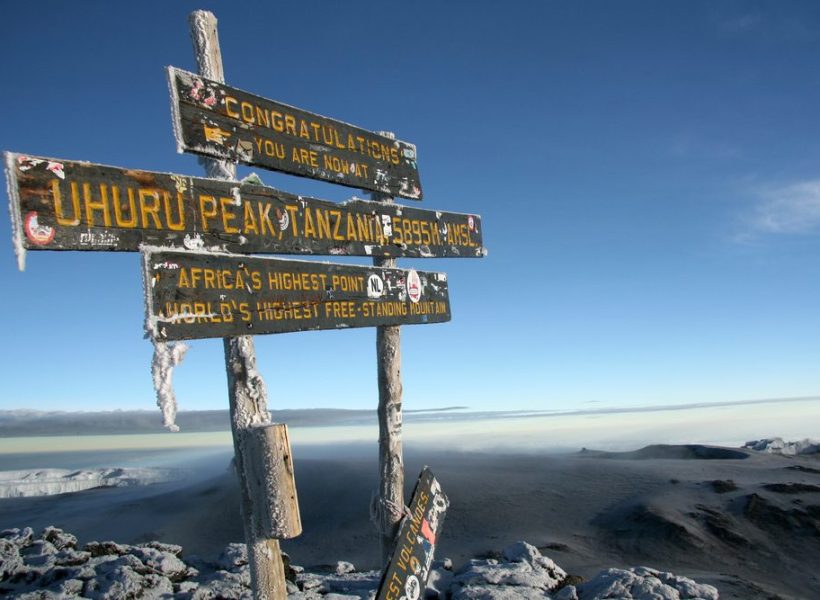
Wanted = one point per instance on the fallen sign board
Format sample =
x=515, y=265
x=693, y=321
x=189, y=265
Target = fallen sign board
x=69, y=205
x=216, y=120
x=409, y=567
x=192, y=295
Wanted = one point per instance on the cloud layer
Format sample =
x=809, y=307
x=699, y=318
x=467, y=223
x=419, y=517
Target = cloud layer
x=788, y=209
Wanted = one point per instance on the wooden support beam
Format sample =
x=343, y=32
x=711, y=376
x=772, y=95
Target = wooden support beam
x=246, y=389
x=390, y=501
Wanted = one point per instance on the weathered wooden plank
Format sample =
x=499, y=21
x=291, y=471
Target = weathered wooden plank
x=214, y=119
x=409, y=567
x=199, y=295
x=270, y=477
x=69, y=205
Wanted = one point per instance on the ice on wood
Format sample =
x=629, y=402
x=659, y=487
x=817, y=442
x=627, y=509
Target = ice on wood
x=14, y=211
x=166, y=357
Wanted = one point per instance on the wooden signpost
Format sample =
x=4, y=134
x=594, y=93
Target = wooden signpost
x=193, y=295
x=185, y=227
x=406, y=574
x=70, y=205
x=215, y=120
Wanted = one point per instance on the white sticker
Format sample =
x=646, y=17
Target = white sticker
x=283, y=218
x=413, y=286
x=387, y=226
x=412, y=588
x=375, y=286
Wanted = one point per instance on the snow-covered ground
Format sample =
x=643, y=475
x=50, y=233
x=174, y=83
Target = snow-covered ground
x=778, y=446
x=53, y=565
x=48, y=482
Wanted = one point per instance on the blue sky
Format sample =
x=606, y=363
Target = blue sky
x=648, y=176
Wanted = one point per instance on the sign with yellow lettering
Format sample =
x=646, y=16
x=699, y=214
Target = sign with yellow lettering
x=213, y=119
x=69, y=205
x=405, y=577
x=192, y=295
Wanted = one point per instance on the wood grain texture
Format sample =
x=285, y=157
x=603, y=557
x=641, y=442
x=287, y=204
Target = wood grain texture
x=388, y=509
x=272, y=480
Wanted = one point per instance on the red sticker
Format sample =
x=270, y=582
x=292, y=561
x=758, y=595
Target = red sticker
x=36, y=233
x=428, y=532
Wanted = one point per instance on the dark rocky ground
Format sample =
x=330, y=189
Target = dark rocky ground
x=51, y=565
x=745, y=522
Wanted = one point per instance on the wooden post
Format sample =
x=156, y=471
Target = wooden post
x=246, y=389
x=271, y=473
x=389, y=507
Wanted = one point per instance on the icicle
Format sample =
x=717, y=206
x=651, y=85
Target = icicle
x=166, y=357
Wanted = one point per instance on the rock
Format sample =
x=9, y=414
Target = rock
x=162, y=547
x=164, y=563
x=309, y=581
x=343, y=567
x=223, y=585
x=187, y=587
x=489, y=572
x=233, y=556
x=38, y=548
x=523, y=566
x=444, y=563
x=70, y=587
x=520, y=551
x=643, y=583
x=569, y=592
x=498, y=592
x=106, y=549
x=40, y=595
x=438, y=582
x=291, y=571
x=792, y=488
x=721, y=487
x=524, y=552
x=120, y=582
x=157, y=586
x=59, y=538
x=71, y=558
x=19, y=537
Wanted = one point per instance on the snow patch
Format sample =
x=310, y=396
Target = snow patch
x=49, y=482
x=776, y=445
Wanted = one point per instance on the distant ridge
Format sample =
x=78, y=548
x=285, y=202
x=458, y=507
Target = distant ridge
x=26, y=422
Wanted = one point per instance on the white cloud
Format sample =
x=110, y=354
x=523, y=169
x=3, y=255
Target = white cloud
x=789, y=209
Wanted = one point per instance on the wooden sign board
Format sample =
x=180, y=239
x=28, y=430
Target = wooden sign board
x=68, y=205
x=192, y=295
x=409, y=568
x=213, y=119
